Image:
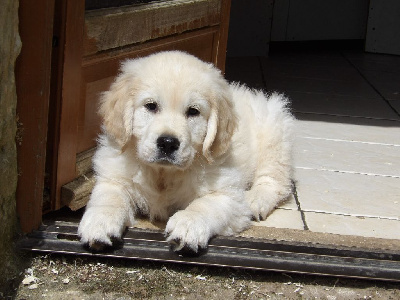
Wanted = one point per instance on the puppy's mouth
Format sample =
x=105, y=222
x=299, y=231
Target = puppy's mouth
x=166, y=161
x=163, y=159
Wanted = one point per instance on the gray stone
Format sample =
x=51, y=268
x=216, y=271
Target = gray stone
x=10, y=45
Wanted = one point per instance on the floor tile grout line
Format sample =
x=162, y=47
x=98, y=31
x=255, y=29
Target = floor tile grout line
x=296, y=198
x=278, y=76
x=332, y=94
x=347, y=116
x=335, y=94
x=347, y=172
x=348, y=141
x=287, y=208
x=370, y=83
x=341, y=95
x=351, y=215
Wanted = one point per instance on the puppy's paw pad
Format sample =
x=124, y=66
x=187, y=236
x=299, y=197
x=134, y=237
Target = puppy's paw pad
x=186, y=230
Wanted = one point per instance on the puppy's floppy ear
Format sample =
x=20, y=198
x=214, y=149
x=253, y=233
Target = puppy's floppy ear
x=116, y=110
x=221, y=125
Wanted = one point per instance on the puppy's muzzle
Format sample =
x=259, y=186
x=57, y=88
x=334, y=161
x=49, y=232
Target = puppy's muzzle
x=167, y=145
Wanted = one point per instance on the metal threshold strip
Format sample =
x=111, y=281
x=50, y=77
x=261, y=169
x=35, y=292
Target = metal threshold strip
x=237, y=252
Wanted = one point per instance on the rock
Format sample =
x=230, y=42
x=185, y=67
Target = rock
x=29, y=280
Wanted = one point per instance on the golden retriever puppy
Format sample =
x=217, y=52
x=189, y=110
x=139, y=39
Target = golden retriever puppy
x=182, y=145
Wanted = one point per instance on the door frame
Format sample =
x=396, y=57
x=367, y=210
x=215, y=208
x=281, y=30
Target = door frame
x=36, y=74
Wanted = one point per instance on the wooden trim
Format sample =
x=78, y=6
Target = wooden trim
x=94, y=67
x=54, y=105
x=71, y=60
x=119, y=27
x=223, y=35
x=33, y=70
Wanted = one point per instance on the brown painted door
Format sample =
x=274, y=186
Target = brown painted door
x=86, y=47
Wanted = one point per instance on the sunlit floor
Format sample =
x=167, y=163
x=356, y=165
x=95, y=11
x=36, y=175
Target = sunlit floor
x=347, y=148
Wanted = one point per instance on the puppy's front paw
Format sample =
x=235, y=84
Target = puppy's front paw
x=97, y=246
x=188, y=230
x=100, y=230
x=260, y=204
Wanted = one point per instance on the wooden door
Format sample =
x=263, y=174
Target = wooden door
x=87, y=48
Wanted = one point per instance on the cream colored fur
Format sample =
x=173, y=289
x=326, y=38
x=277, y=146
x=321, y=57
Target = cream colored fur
x=233, y=161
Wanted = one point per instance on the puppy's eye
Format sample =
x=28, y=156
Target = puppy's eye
x=192, y=112
x=151, y=106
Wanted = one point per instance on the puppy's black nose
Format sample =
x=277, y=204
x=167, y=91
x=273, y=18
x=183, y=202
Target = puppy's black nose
x=168, y=144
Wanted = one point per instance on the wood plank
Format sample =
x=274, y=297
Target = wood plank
x=118, y=27
x=53, y=132
x=84, y=163
x=76, y=194
x=222, y=39
x=33, y=89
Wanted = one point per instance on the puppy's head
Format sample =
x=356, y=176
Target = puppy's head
x=173, y=106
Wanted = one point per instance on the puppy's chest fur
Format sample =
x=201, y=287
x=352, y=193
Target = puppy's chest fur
x=166, y=192
x=162, y=183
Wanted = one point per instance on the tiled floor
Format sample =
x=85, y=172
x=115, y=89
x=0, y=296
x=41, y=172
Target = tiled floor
x=347, y=149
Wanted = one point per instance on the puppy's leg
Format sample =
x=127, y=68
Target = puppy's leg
x=107, y=214
x=265, y=195
x=272, y=179
x=213, y=214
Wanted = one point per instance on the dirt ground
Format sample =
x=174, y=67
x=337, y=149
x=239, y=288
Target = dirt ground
x=74, y=277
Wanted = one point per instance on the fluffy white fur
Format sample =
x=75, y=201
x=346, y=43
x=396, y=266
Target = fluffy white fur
x=233, y=161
